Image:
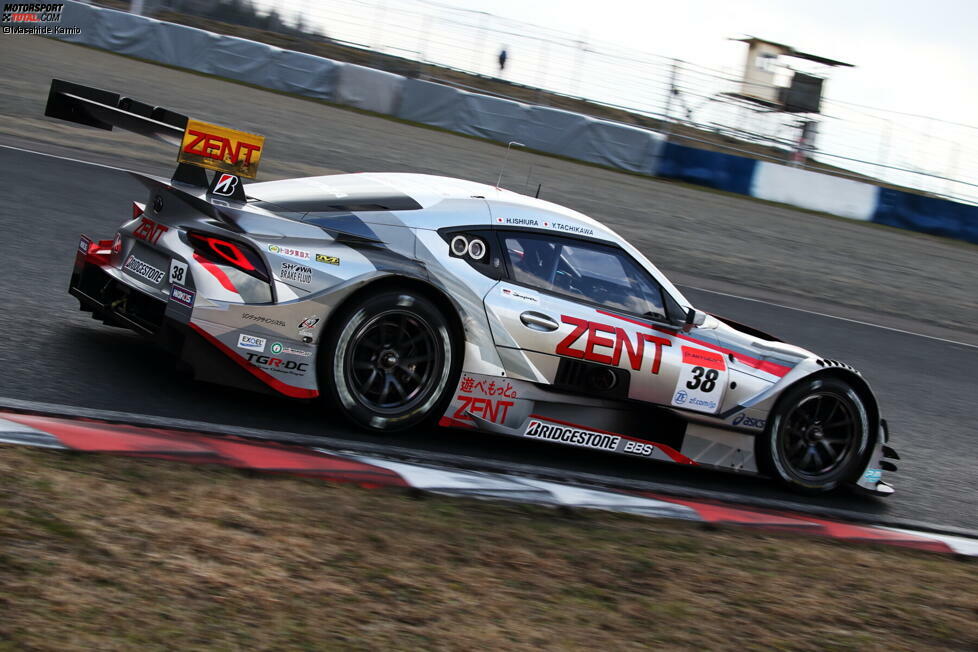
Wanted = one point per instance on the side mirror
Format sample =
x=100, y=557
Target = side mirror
x=693, y=318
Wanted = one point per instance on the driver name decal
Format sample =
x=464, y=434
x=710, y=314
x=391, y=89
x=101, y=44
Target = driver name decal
x=608, y=350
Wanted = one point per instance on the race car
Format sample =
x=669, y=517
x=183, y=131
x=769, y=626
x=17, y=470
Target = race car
x=410, y=301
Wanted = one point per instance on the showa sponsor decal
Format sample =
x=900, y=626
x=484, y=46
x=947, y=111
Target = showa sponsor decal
x=35, y=18
x=296, y=273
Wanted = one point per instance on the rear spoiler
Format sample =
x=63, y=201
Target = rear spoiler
x=233, y=154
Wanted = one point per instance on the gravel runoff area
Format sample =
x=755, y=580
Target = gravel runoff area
x=701, y=238
x=111, y=553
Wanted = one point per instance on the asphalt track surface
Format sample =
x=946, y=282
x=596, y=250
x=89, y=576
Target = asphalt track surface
x=54, y=353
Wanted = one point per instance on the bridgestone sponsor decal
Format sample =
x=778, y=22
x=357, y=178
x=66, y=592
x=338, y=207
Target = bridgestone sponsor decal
x=139, y=268
x=570, y=435
x=296, y=273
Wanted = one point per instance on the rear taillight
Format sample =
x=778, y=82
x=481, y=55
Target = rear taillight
x=228, y=252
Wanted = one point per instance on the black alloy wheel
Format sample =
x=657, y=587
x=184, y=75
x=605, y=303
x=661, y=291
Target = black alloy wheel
x=391, y=360
x=818, y=437
x=819, y=433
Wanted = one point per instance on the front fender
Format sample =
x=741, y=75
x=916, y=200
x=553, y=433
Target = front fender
x=870, y=478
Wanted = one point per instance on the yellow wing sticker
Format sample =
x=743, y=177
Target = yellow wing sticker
x=222, y=149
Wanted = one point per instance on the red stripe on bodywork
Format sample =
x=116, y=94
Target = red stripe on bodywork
x=772, y=368
x=217, y=272
x=274, y=383
x=449, y=422
x=668, y=450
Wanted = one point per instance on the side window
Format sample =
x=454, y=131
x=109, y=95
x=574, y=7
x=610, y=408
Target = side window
x=585, y=271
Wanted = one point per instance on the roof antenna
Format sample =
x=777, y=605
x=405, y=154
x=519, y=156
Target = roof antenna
x=505, y=158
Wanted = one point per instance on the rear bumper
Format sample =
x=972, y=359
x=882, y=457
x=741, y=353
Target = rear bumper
x=116, y=303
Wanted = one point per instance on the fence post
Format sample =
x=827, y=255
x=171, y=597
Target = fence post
x=479, y=51
x=673, y=78
x=423, y=38
x=379, y=25
x=579, y=65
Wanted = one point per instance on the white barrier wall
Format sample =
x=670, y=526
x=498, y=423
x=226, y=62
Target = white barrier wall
x=224, y=56
x=305, y=74
x=541, y=128
x=368, y=88
x=817, y=192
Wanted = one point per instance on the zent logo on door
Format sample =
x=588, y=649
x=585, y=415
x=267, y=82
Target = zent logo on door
x=617, y=342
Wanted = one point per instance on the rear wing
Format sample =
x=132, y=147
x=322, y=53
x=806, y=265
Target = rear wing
x=231, y=154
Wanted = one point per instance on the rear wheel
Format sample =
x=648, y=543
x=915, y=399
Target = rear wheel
x=818, y=437
x=391, y=361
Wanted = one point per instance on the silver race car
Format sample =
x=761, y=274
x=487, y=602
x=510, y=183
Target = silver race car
x=409, y=300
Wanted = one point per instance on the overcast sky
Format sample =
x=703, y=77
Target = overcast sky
x=914, y=56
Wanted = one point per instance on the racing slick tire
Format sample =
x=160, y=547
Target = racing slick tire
x=391, y=361
x=818, y=437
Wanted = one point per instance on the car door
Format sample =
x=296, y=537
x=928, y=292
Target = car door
x=592, y=321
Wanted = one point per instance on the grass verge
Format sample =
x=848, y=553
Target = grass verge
x=115, y=553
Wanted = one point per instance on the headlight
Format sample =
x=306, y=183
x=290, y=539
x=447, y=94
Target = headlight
x=460, y=244
x=477, y=249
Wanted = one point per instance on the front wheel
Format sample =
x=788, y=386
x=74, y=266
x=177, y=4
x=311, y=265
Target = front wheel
x=818, y=437
x=391, y=361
